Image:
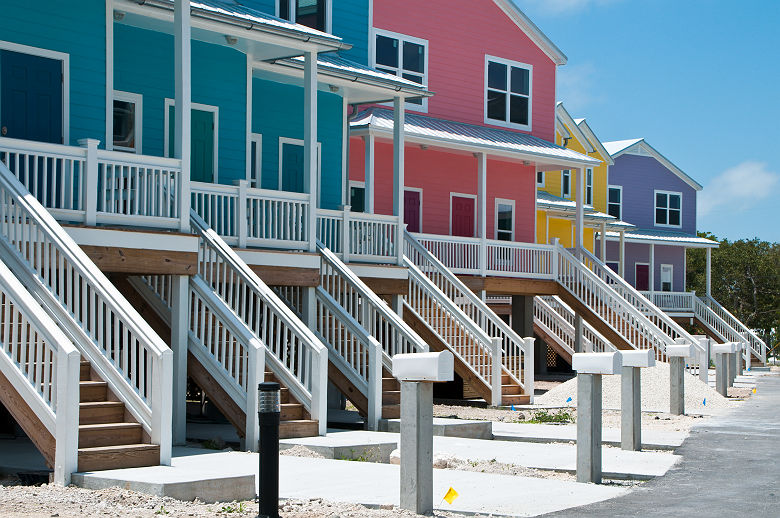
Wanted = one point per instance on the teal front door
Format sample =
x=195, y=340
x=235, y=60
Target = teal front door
x=202, y=157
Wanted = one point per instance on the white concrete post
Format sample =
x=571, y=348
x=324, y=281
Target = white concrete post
x=631, y=397
x=319, y=392
x=708, y=285
x=90, y=195
x=399, y=122
x=180, y=325
x=66, y=450
x=528, y=366
x=369, y=145
x=748, y=352
x=183, y=110
x=310, y=162
x=677, y=353
x=374, y=384
x=704, y=361
x=482, y=210
x=162, y=406
x=622, y=264
x=255, y=375
x=723, y=353
x=241, y=223
x=495, y=374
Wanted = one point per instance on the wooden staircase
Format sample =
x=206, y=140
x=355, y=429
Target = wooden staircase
x=391, y=393
x=109, y=438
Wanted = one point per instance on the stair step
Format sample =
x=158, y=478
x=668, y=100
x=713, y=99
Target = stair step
x=117, y=457
x=93, y=391
x=109, y=434
x=390, y=384
x=291, y=411
x=511, y=389
x=517, y=399
x=298, y=428
x=391, y=397
x=101, y=412
x=391, y=411
x=85, y=370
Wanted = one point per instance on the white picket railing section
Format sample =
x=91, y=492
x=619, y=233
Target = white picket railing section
x=517, y=357
x=368, y=237
x=296, y=356
x=117, y=341
x=223, y=344
x=672, y=302
x=558, y=319
x=757, y=346
x=42, y=365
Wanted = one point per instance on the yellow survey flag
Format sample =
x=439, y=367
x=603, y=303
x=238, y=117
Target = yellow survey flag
x=451, y=495
x=754, y=390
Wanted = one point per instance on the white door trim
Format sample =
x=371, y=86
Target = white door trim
x=195, y=106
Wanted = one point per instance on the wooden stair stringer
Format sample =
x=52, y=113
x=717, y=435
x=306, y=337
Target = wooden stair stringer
x=595, y=320
x=553, y=342
x=29, y=422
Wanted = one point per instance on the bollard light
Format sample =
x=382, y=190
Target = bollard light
x=269, y=410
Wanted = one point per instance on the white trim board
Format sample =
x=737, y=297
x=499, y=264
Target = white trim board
x=255, y=178
x=401, y=37
x=640, y=147
x=195, y=106
x=59, y=56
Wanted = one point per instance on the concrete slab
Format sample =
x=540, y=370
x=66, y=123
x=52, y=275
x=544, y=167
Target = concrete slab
x=542, y=433
x=348, y=445
x=445, y=427
x=18, y=455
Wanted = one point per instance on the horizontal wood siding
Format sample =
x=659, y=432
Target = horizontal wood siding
x=640, y=253
x=78, y=31
x=277, y=111
x=460, y=33
x=640, y=176
x=144, y=63
x=350, y=22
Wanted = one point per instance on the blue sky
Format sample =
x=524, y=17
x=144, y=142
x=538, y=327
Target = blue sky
x=699, y=79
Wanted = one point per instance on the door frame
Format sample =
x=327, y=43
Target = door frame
x=649, y=288
x=661, y=276
x=300, y=142
x=55, y=55
x=194, y=106
x=463, y=195
x=255, y=178
x=419, y=189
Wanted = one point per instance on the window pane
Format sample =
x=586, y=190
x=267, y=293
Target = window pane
x=520, y=81
x=660, y=216
x=540, y=177
x=496, y=108
x=311, y=13
x=124, y=124
x=674, y=201
x=284, y=9
x=496, y=75
x=660, y=200
x=416, y=79
x=614, y=195
x=386, y=51
x=614, y=210
x=357, y=199
x=503, y=235
x=389, y=71
x=674, y=217
x=414, y=57
x=504, y=217
x=565, y=183
x=518, y=110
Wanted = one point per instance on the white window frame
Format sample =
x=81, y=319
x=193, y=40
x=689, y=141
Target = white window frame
x=355, y=184
x=649, y=277
x=655, y=208
x=291, y=15
x=464, y=195
x=195, y=106
x=300, y=142
x=255, y=178
x=138, y=100
x=671, y=276
x=418, y=189
x=58, y=56
x=620, y=204
x=511, y=203
x=544, y=179
x=566, y=173
x=516, y=64
x=589, y=186
x=422, y=108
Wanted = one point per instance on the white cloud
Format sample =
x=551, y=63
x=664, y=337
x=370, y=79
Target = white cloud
x=577, y=88
x=738, y=188
x=557, y=7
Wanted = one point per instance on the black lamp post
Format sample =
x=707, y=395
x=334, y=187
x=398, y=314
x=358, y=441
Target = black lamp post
x=269, y=410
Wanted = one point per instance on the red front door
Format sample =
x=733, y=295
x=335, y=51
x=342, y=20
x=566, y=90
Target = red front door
x=412, y=210
x=642, y=277
x=463, y=216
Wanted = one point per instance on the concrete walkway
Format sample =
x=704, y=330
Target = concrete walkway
x=729, y=468
x=545, y=433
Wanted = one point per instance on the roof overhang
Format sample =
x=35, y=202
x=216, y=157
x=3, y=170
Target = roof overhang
x=594, y=141
x=562, y=113
x=694, y=242
x=640, y=147
x=532, y=31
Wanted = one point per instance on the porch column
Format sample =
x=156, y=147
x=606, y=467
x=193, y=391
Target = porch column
x=310, y=170
x=183, y=115
x=604, y=243
x=622, y=267
x=482, y=211
x=709, y=273
x=399, y=120
x=652, y=268
x=369, y=144
x=579, y=237
x=180, y=325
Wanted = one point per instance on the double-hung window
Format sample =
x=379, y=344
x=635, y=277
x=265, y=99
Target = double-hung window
x=589, y=186
x=668, y=209
x=508, y=93
x=403, y=56
x=128, y=122
x=615, y=201
x=505, y=217
x=311, y=13
x=566, y=183
x=540, y=178
x=667, y=275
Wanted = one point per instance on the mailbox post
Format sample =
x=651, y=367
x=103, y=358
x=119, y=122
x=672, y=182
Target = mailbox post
x=631, y=397
x=417, y=373
x=677, y=353
x=723, y=354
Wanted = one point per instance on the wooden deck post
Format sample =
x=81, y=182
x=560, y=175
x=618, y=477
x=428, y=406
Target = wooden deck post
x=399, y=121
x=310, y=162
x=183, y=110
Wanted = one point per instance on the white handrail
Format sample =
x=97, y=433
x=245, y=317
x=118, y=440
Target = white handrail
x=559, y=318
x=517, y=352
x=108, y=331
x=757, y=345
x=43, y=366
x=301, y=359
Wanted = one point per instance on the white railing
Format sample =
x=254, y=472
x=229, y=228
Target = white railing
x=368, y=237
x=593, y=340
x=296, y=356
x=367, y=309
x=42, y=365
x=757, y=345
x=672, y=301
x=91, y=186
x=517, y=357
x=481, y=354
x=459, y=254
x=223, y=344
x=107, y=330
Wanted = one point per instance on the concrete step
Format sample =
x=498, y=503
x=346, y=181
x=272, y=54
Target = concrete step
x=93, y=391
x=117, y=457
x=109, y=434
x=100, y=412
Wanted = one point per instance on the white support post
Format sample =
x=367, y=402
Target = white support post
x=346, y=234
x=241, y=223
x=708, y=290
x=162, y=406
x=310, y=171
x=496, y=371
x=579, y=240
x=622, y=265
x=180, y=325
x=255, y=376
x=66, y=451
x=90, y=181
x=374, y=383
x=183, y=110
x=319, y=392
x=652, y=270
x=399, y=121
x=528, y=367
x=369, y=144
x=482, y=210
x=604, y=243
